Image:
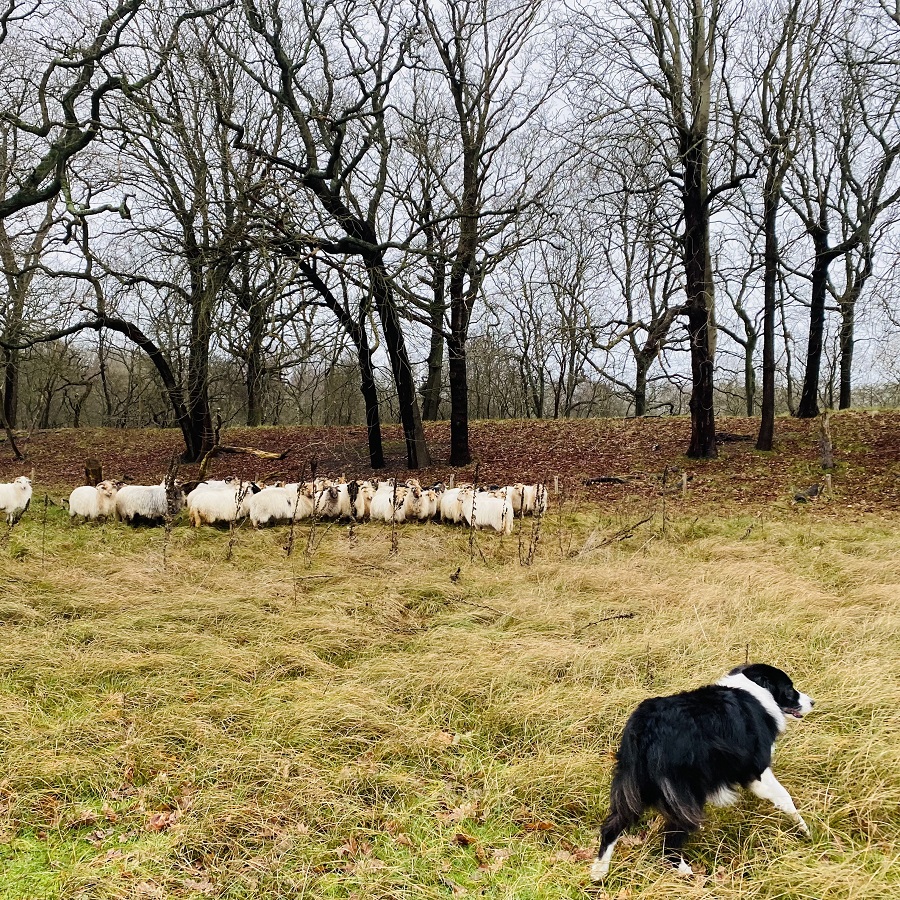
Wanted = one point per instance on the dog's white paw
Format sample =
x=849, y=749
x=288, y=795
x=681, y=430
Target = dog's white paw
x=599, y=870
x=683, y=868
x=803, y=826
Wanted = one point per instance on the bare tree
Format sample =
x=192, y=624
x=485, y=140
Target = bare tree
x=417, y=181
x=638, y=242
x=669, y=75
x=788, y=64
x=846, y=173
x=20, y=253
x=482, y=52
x=330, y=67
x=77, y=77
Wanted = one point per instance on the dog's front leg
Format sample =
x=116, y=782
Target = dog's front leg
x=770, y=788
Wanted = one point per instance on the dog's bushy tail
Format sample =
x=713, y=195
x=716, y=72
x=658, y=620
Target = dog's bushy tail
x=625, y=808
x=625, y=796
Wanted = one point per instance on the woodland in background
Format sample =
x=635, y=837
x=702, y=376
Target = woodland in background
x=312, y=211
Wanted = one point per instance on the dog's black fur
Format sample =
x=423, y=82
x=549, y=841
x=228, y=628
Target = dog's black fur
x=679, y=752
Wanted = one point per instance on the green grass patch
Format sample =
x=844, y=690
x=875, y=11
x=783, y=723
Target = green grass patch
x=348, y=723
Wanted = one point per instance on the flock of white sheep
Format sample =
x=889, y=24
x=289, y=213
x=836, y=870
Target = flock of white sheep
x=221, y=502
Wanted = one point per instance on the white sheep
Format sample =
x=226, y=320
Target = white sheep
x=534, y=499
x=487, y=510
x=387, y=504
x=220, y=504
x=91, y=502
x=362, y=506
x=137, y=503
x=516, y=498
x=412, y=502
x=14, y=499
x=429, y=504
x=272, y=506
x=216, y=484
x=334, y=502
x=451, y=504
x=301, y=500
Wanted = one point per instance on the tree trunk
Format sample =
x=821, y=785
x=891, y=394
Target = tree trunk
x=749, y=376
x=460, y=311
x=11, y=387
x=192, y=448
x=809, y=397
x=18, y=287
x=370, y=398
x=255, y=370
x=765, y=439
x=363, y=232
x=104, y=380
x=640, y=386
x=417, y=456
x=699, y=291
x=848, y=325
x=462, y=299
x=459, y=402
x=431, y=393
x=357, y=333
x=845, y=399
x=78, y=406
x=48, y=402
x=199, y=414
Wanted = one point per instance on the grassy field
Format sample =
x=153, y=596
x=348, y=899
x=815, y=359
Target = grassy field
x=348, y=722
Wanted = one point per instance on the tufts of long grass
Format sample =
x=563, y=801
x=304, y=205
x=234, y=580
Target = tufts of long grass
x=362, y=724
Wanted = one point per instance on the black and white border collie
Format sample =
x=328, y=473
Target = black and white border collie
x=681, y=752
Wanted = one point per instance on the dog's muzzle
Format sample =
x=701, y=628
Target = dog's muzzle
x=798, y=712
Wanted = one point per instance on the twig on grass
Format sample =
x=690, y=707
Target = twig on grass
x=44, y=529
x=472, y=519
x=617, y=616
x=171, y=504
x=472, y=603
x=239, y=497
x=395, y=541
x=624, y=533
x=311, y=535
x=649, y=674
x=536, y=521
x=289, y=546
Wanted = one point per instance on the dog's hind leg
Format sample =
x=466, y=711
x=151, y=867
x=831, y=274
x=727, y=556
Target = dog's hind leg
x=612, y=829
x=682, y=809
x=625, y=808
x=769, y=788
x=673, y=840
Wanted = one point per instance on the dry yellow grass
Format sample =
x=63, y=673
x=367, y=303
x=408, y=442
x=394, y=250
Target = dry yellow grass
x=360, y=725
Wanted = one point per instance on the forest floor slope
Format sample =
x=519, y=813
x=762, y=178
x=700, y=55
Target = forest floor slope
x=648, y=454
